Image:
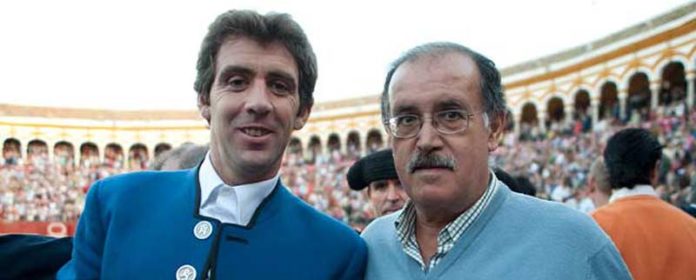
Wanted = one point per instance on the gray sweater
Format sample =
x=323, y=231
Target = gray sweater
x=516, y=237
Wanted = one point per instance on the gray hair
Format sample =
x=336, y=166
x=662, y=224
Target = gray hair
x=186, y=156
x=600, y=175
x=491, y=87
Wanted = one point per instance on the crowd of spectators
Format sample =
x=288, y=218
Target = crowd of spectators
x=556, y=161
x=43, y=190
x=323, y=184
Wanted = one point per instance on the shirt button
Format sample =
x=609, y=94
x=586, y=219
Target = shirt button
x=186, y=272
x=203, y=230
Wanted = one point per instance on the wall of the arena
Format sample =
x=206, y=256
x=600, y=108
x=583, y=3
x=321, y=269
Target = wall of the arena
x=151, y=137
x=663, y=56
x=365, y=123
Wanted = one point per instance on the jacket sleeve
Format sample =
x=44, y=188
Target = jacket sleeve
x=607, y=264
x=358, y=262
x=88, y=243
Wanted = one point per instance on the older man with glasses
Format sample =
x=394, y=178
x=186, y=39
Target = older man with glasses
x=443, y=104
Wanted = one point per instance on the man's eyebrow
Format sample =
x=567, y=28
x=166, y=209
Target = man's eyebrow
x=235, y=69
x=405, y=109
x=283, y=75
x=452, y=104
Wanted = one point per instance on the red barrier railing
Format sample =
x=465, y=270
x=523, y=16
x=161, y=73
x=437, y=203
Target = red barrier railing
x=56, y=229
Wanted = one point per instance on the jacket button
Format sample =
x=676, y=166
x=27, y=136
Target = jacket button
x=203, y=230
x=186, y=272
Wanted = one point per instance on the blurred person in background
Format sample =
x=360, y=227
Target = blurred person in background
x=598, y=184
x=518, y=184
x=656, y=239
x=183, y=157
x=376, y=174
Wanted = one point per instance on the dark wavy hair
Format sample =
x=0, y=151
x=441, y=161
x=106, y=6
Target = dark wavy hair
x=630, y=157
x=265, y=29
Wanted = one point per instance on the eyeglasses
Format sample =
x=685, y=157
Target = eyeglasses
x=445, y=122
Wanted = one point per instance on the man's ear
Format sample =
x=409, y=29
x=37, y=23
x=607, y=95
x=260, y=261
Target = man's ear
x=205, y=113
x=299, y=123
x=591, y=188
x=204, y=107
x=655, y=173
x=302, y=118
x=496, y=128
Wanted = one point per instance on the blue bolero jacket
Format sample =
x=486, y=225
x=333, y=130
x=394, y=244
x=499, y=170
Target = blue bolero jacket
x=146, y=225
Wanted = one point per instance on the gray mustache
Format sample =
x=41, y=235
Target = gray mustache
x=429, y=160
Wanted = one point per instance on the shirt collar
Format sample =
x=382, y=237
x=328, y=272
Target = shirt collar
x=208, y=178
x=637, y=190
x=250, y=195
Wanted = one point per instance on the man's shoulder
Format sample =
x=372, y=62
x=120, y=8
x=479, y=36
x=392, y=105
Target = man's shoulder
x=608, y=212
x=543, y=208
x=553, y=218
x=142, y=184
x=147, y=175
x=141, y=178
x=570, y=236
x=630, y=206
x=314, y=220
x=639, y=209
x=381, y=228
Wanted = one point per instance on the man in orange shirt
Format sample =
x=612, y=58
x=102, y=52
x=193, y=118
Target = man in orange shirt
x=655, y=239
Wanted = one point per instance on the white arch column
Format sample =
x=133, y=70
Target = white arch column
x=24, y=148
x=594, y=107
x=622, y=96
x=542, y=121
x=654, y=94
x=569, y=110
x=49, y=148
x=363, y=142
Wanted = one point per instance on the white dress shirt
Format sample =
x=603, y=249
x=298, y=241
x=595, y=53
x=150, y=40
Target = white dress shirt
x=230, y=204
x=637, y=190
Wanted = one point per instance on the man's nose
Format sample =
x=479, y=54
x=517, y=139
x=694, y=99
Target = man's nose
x=258, y=99
x=392, y=192
x=428, y=138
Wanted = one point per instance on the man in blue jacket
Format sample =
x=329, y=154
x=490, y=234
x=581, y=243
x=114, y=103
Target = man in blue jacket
x=231, y=217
